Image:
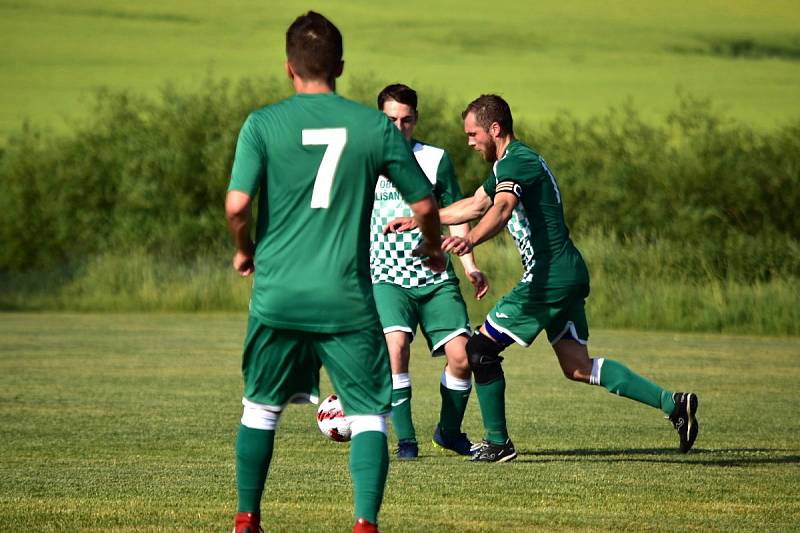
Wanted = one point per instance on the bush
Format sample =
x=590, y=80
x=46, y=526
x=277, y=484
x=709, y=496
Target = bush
x=697, y=197
x=138, y=173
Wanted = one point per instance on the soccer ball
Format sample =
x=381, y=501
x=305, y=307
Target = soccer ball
x=331, y=420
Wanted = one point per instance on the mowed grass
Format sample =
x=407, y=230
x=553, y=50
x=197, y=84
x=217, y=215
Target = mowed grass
x=126, y=422
x=544, y=56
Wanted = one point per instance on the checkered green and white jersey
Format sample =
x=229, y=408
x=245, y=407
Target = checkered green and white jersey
x=549, y=258
x=390, y=255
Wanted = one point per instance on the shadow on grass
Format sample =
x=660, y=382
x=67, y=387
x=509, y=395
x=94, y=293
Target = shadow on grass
x=698, y=456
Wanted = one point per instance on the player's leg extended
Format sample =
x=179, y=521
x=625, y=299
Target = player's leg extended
x=358, y=365
x=573, y=356
x=568, y=333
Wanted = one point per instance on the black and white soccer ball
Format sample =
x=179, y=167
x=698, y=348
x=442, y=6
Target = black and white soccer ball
x=331, y=420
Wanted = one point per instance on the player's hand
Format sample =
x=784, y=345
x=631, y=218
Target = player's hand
x=480, y=282
x=432, y=256
x=243, y=263
x=399, y=225
x=457, y=245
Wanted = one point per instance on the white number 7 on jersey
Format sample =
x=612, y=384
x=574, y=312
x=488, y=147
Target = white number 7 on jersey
x=334, y=139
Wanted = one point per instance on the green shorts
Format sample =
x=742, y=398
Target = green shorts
x=438, y=310
x=281, y=366
x=527, y=310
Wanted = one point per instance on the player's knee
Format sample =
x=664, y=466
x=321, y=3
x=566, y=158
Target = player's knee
x=577, y=374
x=399, y=353
x=484, y=358
x=576, y=369
x=258, y=416
x=574, y=360
x=459, y=367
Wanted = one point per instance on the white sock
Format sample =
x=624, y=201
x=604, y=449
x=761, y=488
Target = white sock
x=454, y=383
x=401, y=381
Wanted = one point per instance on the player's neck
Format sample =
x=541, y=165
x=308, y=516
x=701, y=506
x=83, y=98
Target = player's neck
x=313, y=86
x=502, y=143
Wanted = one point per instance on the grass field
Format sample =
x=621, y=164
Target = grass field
x=581, y=56
x=125, y=422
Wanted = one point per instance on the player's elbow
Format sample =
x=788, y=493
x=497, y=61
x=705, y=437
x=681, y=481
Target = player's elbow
x=478, y=209
x=237, y=206
x=504, y=210
x=425, y=208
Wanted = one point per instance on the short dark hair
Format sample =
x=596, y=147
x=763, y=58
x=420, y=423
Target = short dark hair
x=400, y=93
x=314, y=47
x=489, y=108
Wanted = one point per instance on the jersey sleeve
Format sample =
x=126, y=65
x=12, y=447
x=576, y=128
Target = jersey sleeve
x=489, y=185
x=522, y=171
x=249, y=163
x=447, y=189
x=401, y=167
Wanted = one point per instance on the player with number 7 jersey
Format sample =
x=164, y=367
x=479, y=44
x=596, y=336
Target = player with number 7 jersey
x=314, y=159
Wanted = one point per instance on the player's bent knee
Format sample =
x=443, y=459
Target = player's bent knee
x=258, y=416
x=484, y=358
x=458, y=363
x=577, y=374
x=364, y=423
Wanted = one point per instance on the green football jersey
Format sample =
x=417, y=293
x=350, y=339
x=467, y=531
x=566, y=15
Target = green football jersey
x=314, y=160
x=549, y=258
x=390, y=255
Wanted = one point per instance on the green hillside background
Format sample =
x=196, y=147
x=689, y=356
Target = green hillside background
x=543, y=56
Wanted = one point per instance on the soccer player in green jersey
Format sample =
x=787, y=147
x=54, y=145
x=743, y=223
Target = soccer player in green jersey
x=409, y=294
x=522, y=194
x=313, y=161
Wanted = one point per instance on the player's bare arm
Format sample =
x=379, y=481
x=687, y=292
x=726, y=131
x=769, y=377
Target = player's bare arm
x=466, y=209
x=490, y=225
x=426, y=216
x=239, y=216
x=459, y=212
x=478, y=279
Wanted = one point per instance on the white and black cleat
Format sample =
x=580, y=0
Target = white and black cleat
x=684, y=420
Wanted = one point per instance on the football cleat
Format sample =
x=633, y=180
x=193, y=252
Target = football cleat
x=494, y=453
x=247, y=523
x=458, y=442
x=683, y=419
x=407, y=449
x=363, y=526
x=477, y=446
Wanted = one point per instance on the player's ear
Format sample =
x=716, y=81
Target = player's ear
x=339, y=69
x=495, y=129
x=289, y=70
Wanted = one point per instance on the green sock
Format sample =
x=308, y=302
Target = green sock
x=619, y=379
x=454, y=404
x=401, y=414
x=253, y=455
x=369, y=465
x=492, y=399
